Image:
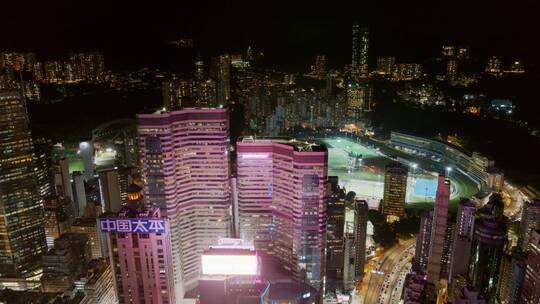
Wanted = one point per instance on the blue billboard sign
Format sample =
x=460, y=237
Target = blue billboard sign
x=132, y=225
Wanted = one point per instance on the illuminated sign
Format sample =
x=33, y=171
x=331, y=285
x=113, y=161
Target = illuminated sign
x=230, y=264
x=135, y=225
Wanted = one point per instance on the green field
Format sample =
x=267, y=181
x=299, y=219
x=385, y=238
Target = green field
x=367, y=180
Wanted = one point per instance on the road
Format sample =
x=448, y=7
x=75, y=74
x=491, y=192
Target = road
x=382, y=268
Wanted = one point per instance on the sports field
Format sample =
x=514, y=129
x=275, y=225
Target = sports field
x=367, y=180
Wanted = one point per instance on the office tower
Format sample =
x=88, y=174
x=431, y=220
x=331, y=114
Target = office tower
x=206, y=94
x=43, y=170
x=21, y=207
x=493, y=66
x=488, y=243
x=423, y=241
x=185, y=169
x=222, y=75
x=416, y=290
x=62, y=179
x=395, y=190
x=178, y=93
x=319, y=68
x=109, y=184
x=89, y=227
x=86, y=151
x=140, y=254
x=447, y=251
x=56, y=218
x=79, y=193
x=495, y=178
x=530, y=221
x=468, y=295
x=361, y=208
x=360, y=46
x=97, y=283
x=447, y=51
x=199, y=68
x=511, y=273
x=335, y=232
x=284, y=214
x=531, y=283
x=438, y=230
x=463, y=235
x=385, y=65
x=329, y=84
x=452, y=69
x=65, y=262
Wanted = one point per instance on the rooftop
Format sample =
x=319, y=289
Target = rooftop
x=298, y=145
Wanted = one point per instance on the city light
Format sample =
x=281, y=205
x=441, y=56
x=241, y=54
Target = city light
x=229, y=264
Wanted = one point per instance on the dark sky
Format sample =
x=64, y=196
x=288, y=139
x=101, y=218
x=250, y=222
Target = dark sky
x=290, y=33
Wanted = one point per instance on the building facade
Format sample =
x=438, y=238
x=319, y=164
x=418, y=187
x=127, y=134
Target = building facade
x=395, y=191
x=22, y=241
x=185, y=170
x=281, y=188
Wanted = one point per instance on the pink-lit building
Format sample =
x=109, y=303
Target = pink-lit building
x=438, y=230
x=140, y=255
x=281, y=189
x=185, y=168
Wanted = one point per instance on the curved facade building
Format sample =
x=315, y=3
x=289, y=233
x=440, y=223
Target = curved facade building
x=281, y=188
x=488, y=243
x=185, y=168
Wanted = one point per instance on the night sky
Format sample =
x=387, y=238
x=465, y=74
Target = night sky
x=290, y=33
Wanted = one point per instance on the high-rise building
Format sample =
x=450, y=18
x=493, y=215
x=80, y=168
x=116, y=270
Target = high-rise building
x=63, y=263
x=438, y=230
x=185, y=171
x=79, y=193
x=530, y=221
x=490, y=234
x=360, y=47
x=531, y=283
x=319, y=69
x=423, y=241
x=222, y=75
x=86, y=151
x=385, y=65
x=97, y=283
x=452, y=69
x=281, y=202
x=495, y=178
x=140, y=254
x=511, y=273
x=361, y=219
x=109, y=184
x=335, y=231
x=62, y=179
x=21, y=207
x=406, y=71
x=462, y=52
x=395, y=191
x=199, y=69
x=463, y=235
x=89, y=227
x=56, y=217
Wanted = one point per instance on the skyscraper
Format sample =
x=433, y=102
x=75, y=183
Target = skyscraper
x=511, y=275
x=438, y=230
x=395, y=190
x=21, y=208
x=423, y=241
x=530, y=221
x=487, y=250
x=360, y=47
x=109, y=184
x=221, y=66
x=360, y=237
x=463, y=235
x=281, y=202
x=185, y=170
x=141, y=256
x=531, y=284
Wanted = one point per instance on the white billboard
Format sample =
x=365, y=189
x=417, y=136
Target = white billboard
x=213, y=264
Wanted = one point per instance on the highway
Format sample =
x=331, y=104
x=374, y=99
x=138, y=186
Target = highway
x=384, y=273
